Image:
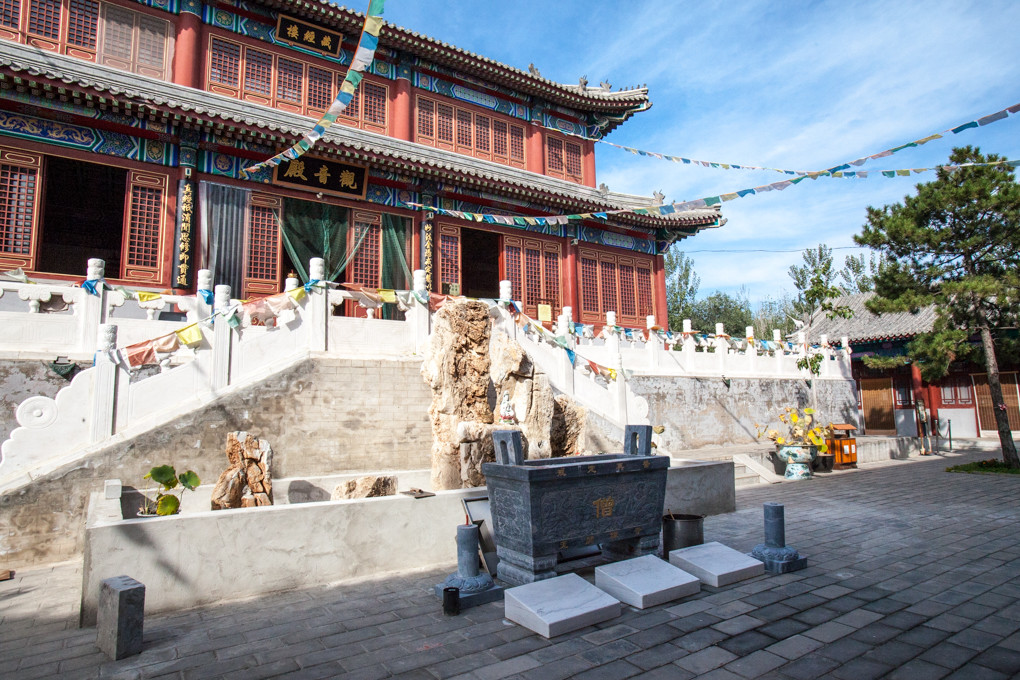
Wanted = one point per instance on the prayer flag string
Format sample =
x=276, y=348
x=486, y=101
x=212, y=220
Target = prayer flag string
x=363, y=57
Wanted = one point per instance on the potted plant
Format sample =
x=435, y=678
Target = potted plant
x=798, y=442
x=167, y=502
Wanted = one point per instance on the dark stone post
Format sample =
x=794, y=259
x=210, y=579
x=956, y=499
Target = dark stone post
x=637, y=440
x=778, y=558
x=120, y=617
x=475, y=587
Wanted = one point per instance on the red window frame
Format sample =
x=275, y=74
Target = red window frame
x=564, y=159
x=21, y=179
x=615, y=282
x=533, y=268
x=469, y=132
x=262, y=247
x=956, y=390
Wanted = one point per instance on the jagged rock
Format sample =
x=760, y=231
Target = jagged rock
x=456, y=367
x=475, y=447
x=246, y=483
x=568, y=427
x=369, y=486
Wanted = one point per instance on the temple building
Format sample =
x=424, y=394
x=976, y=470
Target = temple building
x=125, y=126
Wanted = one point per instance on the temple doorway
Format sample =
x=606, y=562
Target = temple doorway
x=480, y=258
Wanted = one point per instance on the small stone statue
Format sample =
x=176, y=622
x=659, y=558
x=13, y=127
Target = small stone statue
x=507, y=415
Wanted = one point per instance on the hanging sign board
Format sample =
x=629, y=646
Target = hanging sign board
x=329, y=177
x=296, y=32
x=545, y=313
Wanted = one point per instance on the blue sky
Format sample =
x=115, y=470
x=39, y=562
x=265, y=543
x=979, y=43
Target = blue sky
x=793, y=85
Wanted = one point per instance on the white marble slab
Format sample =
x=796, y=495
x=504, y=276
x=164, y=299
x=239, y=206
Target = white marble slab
x=645, y=581
x=715, y=564
x=559, y=605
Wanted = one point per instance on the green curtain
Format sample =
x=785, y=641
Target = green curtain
x=395, y=273
x=316, y=230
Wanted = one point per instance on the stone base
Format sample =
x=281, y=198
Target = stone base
x=645, y=581
x=518, y=569
x=715, y=564
x=559, y=605
x=468, y=600
x=629, y=548
x=779, y=560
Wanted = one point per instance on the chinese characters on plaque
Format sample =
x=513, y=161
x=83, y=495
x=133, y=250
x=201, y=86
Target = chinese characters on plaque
x=183, y=265
x=331, y=177
x=312, y=37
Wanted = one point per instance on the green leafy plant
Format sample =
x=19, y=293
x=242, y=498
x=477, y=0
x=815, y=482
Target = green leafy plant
x=811, y=362
x=167, y=502
x=799, y=429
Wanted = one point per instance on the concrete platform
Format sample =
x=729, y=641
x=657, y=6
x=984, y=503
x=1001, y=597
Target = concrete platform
x=645, y=581
x=715, y=564
x=559, y=605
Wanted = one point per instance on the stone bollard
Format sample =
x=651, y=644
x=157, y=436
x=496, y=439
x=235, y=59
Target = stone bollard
x=637, y=440
x=120, y=616
x=509, y=447
x=474, y=587
x=778, y=558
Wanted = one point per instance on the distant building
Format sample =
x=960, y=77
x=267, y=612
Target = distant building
x=124, y=127
x=887, y=398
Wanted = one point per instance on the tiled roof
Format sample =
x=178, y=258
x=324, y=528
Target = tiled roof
x=599, y=100
x=140, y=93
x=865, y=326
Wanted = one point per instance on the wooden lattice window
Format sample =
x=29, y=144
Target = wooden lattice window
x=444, y=123
x=288, y=80
x=364, y=268
x=320, y=88
x=448, y=250
x=133, y=41
x=19, y=195
x=44, y=18
x=83, y=15
x=482, y=133
x=145, y=222
x=262, y=246
x=955, y=390
x=533, y=269
x=500, y=139
x=10, y=13
x=465, y=129
x=563, y=158
x=470, y=133
x=512, y=263
x=426, y=119
x=590, y=286
x=644, y=292
x=258, y=72
x=225, y=62
x=353, y=108
x=373, y=107
x=618, y=283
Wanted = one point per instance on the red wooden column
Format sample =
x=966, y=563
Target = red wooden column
x=588, y=162
x=570, y=283
x=188, y=50
x=402, y=124
x=659, y=303
x=536, y=149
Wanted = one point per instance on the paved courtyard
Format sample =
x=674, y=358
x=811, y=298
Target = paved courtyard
x=913, y=573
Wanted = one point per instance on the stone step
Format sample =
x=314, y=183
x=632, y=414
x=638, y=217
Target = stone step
x=716, y=564
x=645, y=581
x=746, y=479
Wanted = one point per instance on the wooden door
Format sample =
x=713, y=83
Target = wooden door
x=876, y=398
x=448, y=260
x=986, y=414
x=366, y=266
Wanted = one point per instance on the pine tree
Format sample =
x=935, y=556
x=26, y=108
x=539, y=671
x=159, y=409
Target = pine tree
x=955, y=245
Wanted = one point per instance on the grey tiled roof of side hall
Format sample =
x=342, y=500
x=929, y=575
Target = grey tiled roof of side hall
x=863, y=325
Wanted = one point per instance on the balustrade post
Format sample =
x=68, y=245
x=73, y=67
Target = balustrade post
x=104, y=387
x=203, y=310
x=654, y=345
x=223, y=339
x=419, y=311
x=844, y=356
x=93, y=307
x=777, y=359
x=722, y=348
x=506, y=292
x=689, y=345
x=752, y=350
x=619, y=388
x=317, y=308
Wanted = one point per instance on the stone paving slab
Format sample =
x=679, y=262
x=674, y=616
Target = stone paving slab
x=914, y=573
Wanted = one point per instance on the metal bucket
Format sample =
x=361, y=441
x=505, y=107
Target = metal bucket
x=682, y=531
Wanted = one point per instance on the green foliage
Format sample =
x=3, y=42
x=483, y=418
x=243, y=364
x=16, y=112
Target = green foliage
x=858, y=273
x=811, y=362
x=955, y=245
x=733, y=311
x=815, y=281
x=681, y=286
x=886, y=363
x=167, y=503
